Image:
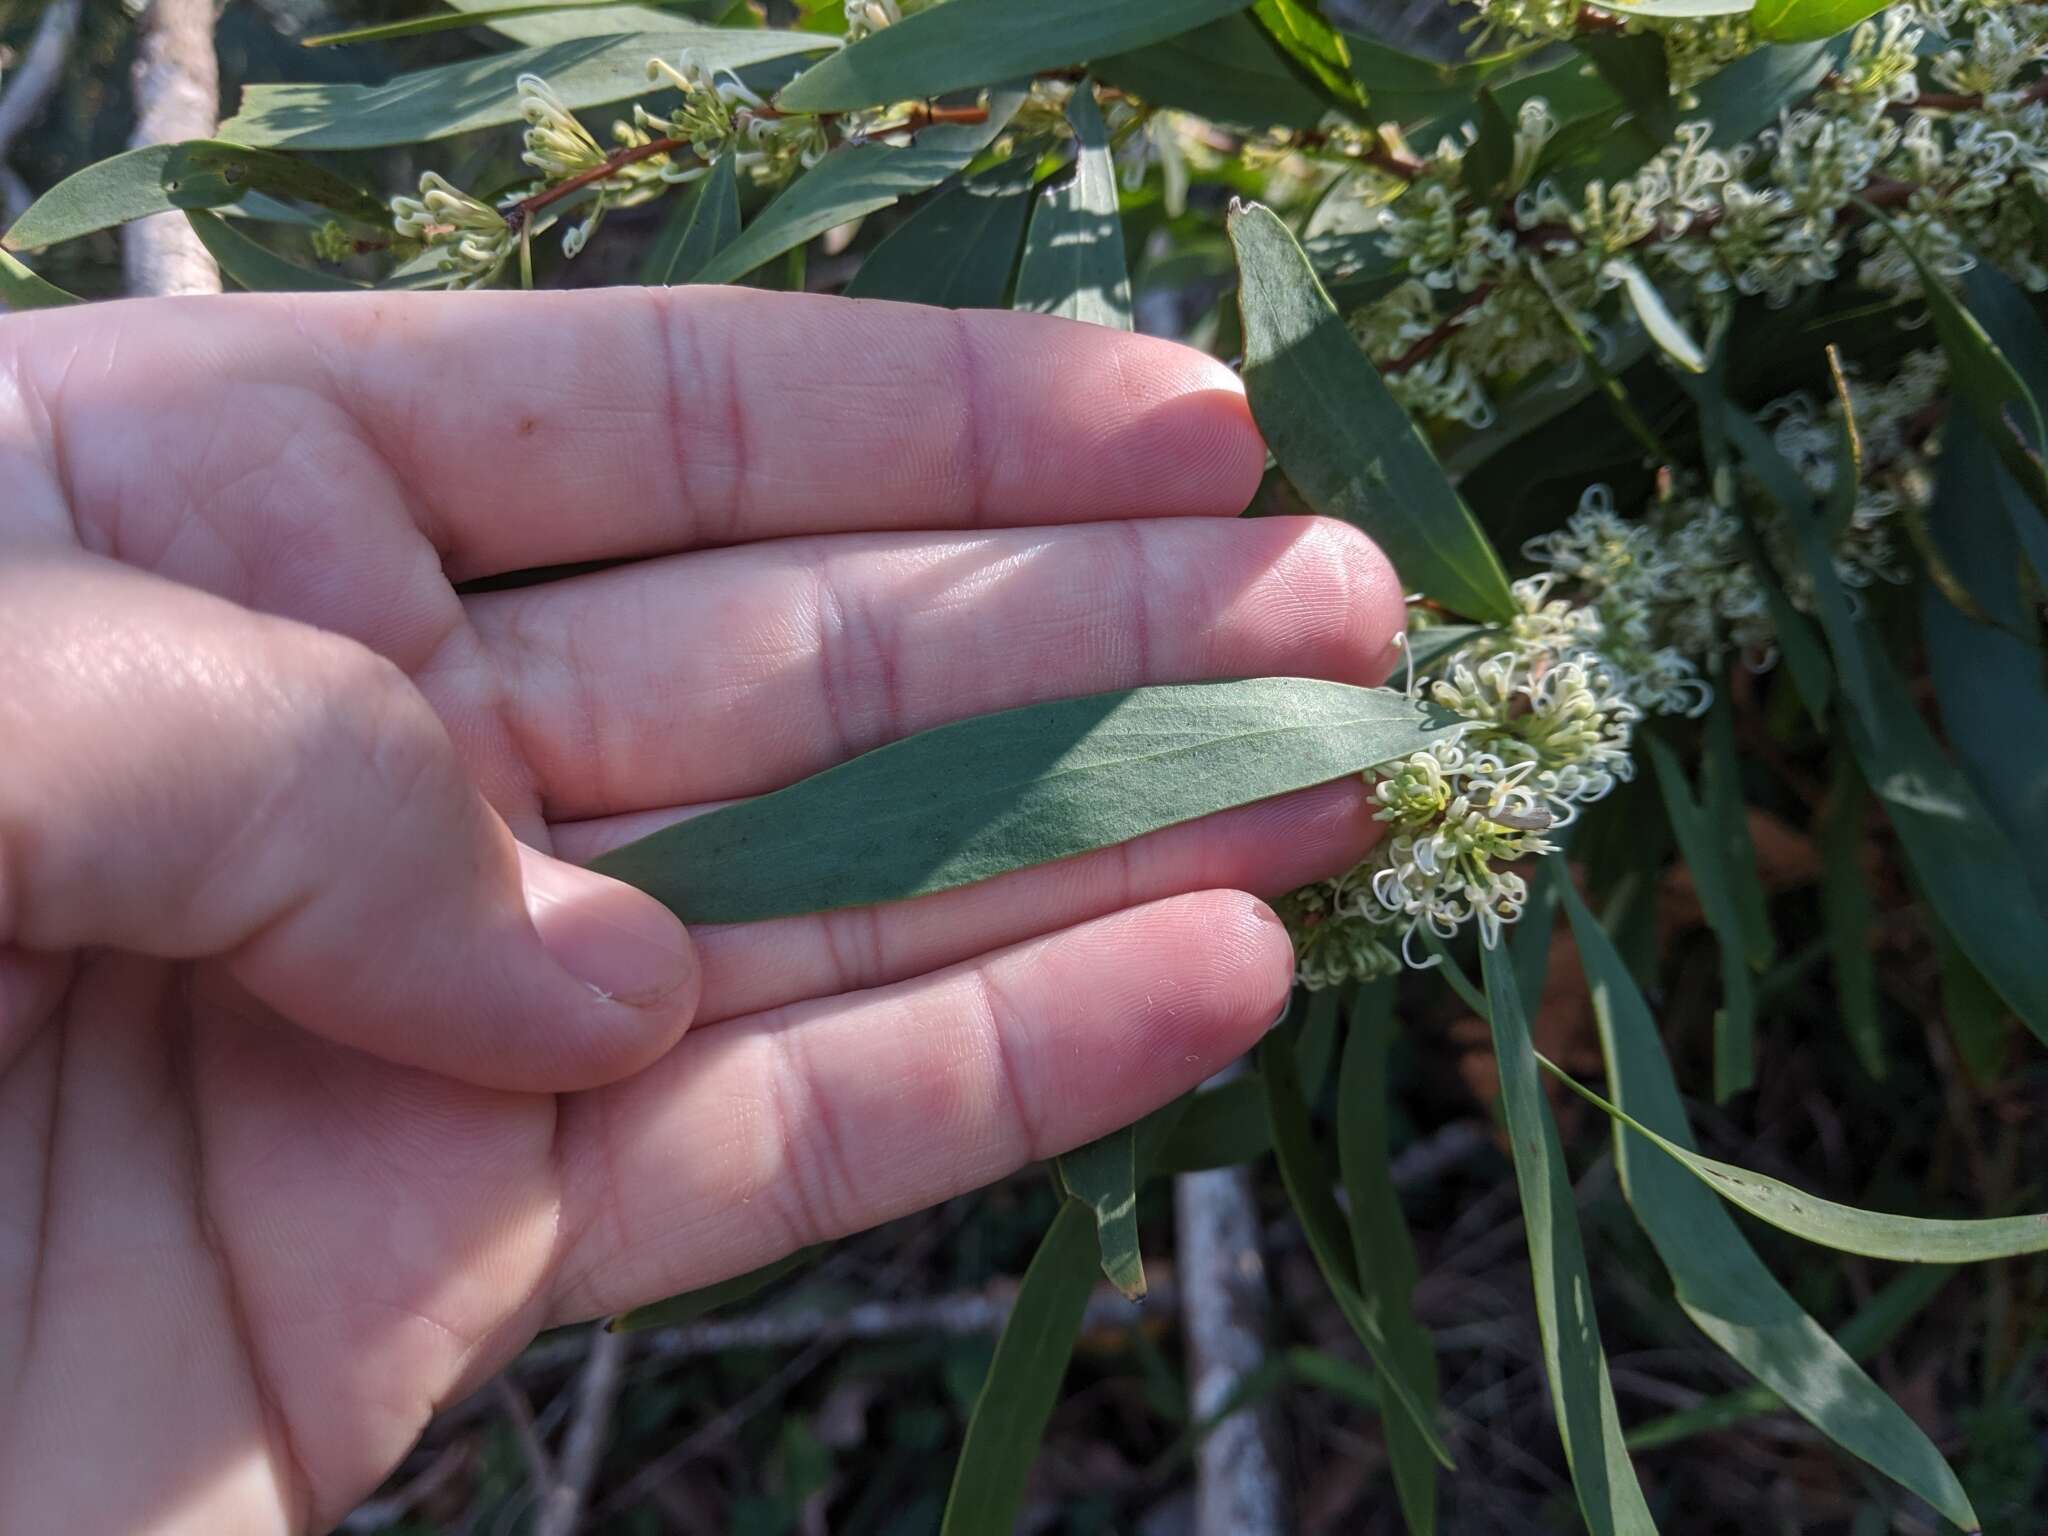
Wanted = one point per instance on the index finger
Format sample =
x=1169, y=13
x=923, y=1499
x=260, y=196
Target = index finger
x=539, y=429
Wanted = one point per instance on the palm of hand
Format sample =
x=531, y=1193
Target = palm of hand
x=284, y=1167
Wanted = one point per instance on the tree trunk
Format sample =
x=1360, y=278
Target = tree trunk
x=177, y=96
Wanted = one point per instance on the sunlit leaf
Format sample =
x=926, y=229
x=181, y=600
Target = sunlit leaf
x=959, y=249
x=1073, y=263
x=21, y=289
x=1719, y=1280
x=1344, y=442
x=854, y=181
x=974, y=42
x=967, y=801
x=483, y=92
x=1103, y=1175
x=1798, y=21
x=1317, y=48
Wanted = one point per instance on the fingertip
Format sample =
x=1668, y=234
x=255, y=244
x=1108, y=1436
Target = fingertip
x=629, y=954
x=1203, y=450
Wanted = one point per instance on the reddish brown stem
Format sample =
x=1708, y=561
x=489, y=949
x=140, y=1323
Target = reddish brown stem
x=517, y=215
x=1424, y=345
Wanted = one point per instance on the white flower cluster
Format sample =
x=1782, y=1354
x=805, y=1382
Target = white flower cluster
x=719, y=116
x=1629, y=618
x=1495, y=291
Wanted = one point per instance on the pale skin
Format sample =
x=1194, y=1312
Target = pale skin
x=327, y=1076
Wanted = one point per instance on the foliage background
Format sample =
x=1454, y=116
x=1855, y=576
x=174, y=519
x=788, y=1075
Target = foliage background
x=858, y=1436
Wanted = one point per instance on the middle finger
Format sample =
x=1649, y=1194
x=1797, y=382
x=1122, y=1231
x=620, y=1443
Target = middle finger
x=733, y=672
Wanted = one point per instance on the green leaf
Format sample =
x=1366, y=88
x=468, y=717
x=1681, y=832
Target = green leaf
x=1380, y=1243
x=1845, y=909
x=1229, y=71
x=706, y=220
x=590, y=19
x=618, y=17
x=483, y=92
x=1634, y=65
x=21, y=289
x=1976, y=1017
x=1316, y=47
x=1845, y=1228
x=2008, y=312
x=200, y=173
x=1307, y=1177
x=1103, y=1175
x=1426, y=647
x=691, y=1305
x=1074, y=254
x=1798, y=21
x=1655, y=317
x=958, y=250
x=975, y=42
x=1221, y=1126
x=1985, y=380
x=1406, y=88
x=1719, y=1280
x=1706, y=859
x=854, y=181
x=1728, y=816
x=1581, y=1392
x=1315, y=1050
x=1972, y=874
x=967, y=801
x=1345, y=443
x=255, y=267
x=1875, y=1326
x=1674, y=10
x=1024, y=1378
x=1491, y=158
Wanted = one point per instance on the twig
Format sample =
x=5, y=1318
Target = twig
x=561, y=1508
x=540, y=1466
x=518, y=213
x=1238, y=1490
x=28, y=88
x=1436, y=338
x=177, y=97
x=377, y=1514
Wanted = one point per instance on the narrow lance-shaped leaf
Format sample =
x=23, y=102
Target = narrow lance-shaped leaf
x=1870, y=1330
x=1971, y=872
x=199, y=173
x=1073, y=261
x=612, y=16
x=483, y=92
x=1024, y=1378
x=1343, y=440
x=1581, y=1390
x=1229, y=71
x=1222, y=1125
x=1315, y=1051
x=706, y=221
x=1307, y=1177
x=1103, y=1176
x=1317, y=48
x=1706, y=860
x=254, y=266
x=1674, y=10
x=1380, y=1243
x=999, y=792
x=1845, y=1228
x=973, y=42
x=1798, y=21
x=1728, y=818
x=851, y=182
x=959, y=249
x=559, y=24
x=22, y=289
x=1719, y=1280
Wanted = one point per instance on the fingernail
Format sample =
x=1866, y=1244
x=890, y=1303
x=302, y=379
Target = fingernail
x=620, y=942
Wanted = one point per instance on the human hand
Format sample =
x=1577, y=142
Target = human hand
x=327, y=1078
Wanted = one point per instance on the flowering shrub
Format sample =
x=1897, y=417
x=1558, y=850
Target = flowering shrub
x=1720, y=316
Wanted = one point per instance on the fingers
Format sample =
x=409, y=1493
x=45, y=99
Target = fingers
x=762, y=1135
x=186, y=779
x=527, y=430
x=1267, y=849
x=635, y=688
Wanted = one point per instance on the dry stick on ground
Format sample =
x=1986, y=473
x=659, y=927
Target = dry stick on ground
x=177, y=96
x=561, y=1507
x=28, y=88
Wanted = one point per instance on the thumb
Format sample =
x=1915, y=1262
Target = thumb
x=189, y=780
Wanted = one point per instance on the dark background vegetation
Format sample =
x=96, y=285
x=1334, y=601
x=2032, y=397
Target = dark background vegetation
x=802, y=1430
